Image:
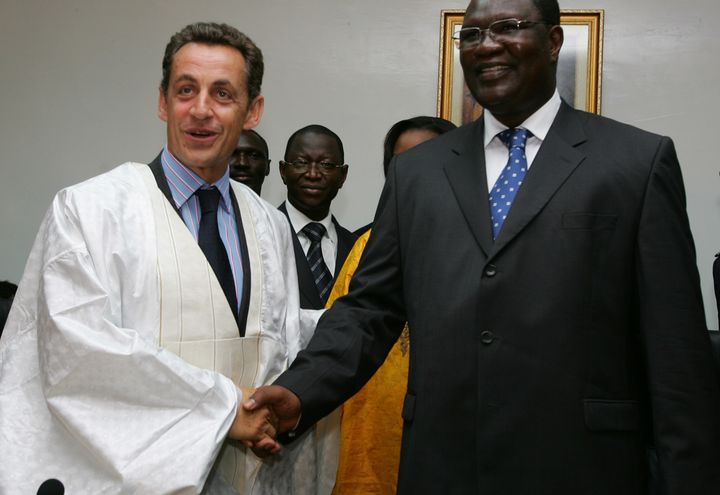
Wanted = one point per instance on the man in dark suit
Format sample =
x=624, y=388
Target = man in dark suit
x=314, y=170
x=716, y=280
x=543, y=259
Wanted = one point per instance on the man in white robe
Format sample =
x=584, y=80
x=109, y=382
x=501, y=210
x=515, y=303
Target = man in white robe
x=121, y=363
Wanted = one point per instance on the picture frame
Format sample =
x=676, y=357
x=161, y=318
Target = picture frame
x=579, y=67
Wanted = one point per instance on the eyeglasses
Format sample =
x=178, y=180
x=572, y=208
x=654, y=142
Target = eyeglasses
x=301, y=165
x=501, y=31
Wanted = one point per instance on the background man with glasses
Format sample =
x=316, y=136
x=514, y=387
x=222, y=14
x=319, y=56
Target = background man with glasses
x=543, y=259
x=314, y=170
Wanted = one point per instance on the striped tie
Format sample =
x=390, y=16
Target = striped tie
x=323, y=280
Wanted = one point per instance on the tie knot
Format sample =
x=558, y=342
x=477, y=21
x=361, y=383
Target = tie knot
x=209, y=200
x=514, y=138
x=314, y=231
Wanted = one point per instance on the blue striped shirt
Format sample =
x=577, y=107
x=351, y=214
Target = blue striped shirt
x=183, y=183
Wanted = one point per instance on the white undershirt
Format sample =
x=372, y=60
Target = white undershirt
x=329, y=241
x=496, y=153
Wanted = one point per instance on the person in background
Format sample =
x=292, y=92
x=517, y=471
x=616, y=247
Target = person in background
x=404, y=135
x=7, y=293
x=314, y=170
x=371, y=424
x=250, y=162
x=543, y=259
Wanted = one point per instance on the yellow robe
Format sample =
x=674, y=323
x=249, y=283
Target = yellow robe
x=371, y=428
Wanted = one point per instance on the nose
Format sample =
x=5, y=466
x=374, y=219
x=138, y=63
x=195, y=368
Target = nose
x=241, y=158
x=201, y=106
x=313, y=171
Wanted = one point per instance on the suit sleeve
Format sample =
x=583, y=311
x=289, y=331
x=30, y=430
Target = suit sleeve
x=354, y=336
x=684, y=389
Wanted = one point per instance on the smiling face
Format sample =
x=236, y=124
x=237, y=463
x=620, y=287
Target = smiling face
x=206, y=107
x=249, y=163
x=515, y=78
x=312, y=191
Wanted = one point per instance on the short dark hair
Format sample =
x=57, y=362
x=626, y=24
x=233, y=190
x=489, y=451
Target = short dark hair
x=7, y=289
x=315, y=129
x=423, y=123
x=549, y=11
x=212, y=33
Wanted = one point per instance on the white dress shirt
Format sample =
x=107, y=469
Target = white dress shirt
x=329, y=242
x=496, y=153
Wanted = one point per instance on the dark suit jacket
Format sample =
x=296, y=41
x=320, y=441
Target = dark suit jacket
x=548, y=361
x=309, y=295
x=716, y=280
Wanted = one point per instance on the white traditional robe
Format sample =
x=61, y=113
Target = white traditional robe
x=120, y=358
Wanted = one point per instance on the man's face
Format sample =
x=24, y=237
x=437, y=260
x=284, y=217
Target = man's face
x=206, y=107
x=312, y=191
x=514, y=78
x=249, y=163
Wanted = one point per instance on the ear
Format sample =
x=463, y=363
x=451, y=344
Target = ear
x=267, y=169
x=254, y=113
x=343, y=175
x=556, y=40
x=281, y=169
x=162, y=105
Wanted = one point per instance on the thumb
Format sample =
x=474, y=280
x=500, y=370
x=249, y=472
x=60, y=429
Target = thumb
x=257, y=399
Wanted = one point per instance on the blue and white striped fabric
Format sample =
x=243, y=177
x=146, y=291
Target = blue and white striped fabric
x=183, y=183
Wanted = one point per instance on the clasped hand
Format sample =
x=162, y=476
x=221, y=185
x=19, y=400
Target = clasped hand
x=269, y=411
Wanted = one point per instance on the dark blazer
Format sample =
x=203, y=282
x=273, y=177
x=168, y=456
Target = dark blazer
x=309, y=295
x=716, y=281
x=550, y=360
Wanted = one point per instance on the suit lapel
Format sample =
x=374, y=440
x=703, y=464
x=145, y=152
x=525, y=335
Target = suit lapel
x=309, y=297
x=465, y=170
x=346, y=240
x=556, y=160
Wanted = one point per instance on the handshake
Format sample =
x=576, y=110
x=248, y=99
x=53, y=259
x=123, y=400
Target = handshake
x=265, y=413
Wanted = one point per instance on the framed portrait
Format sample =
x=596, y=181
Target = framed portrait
x=579, y=73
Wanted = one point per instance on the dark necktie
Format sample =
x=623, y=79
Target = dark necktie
x=323, y=280
x=212, y=245
x=506, y=187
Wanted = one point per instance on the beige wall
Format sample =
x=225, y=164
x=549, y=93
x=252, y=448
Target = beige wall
x=79, y=81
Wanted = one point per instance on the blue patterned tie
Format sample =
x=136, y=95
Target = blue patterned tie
x=320, y=272
x=506, y=187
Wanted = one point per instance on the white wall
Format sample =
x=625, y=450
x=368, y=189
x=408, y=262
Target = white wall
x=79, y=80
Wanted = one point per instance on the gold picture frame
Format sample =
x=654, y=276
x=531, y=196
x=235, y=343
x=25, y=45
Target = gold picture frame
x=579, y=68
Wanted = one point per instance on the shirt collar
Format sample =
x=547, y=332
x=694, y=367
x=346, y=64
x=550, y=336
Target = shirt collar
x=538, y=123
x=183, y=182
x=298, y=219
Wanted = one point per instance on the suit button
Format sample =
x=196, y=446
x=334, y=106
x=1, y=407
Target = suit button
x=487, y=337
x=490, y=271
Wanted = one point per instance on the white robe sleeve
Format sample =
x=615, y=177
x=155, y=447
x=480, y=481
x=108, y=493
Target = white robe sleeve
x=138, y=417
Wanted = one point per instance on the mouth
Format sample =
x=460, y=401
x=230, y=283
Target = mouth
x=241, y=177
x=201, y=136
x=312, y=190
x=489, y=72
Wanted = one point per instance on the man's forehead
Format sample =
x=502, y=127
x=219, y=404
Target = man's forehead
x=250, y=141
x=221, y=64
x=315, y=141
x=499, y=9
